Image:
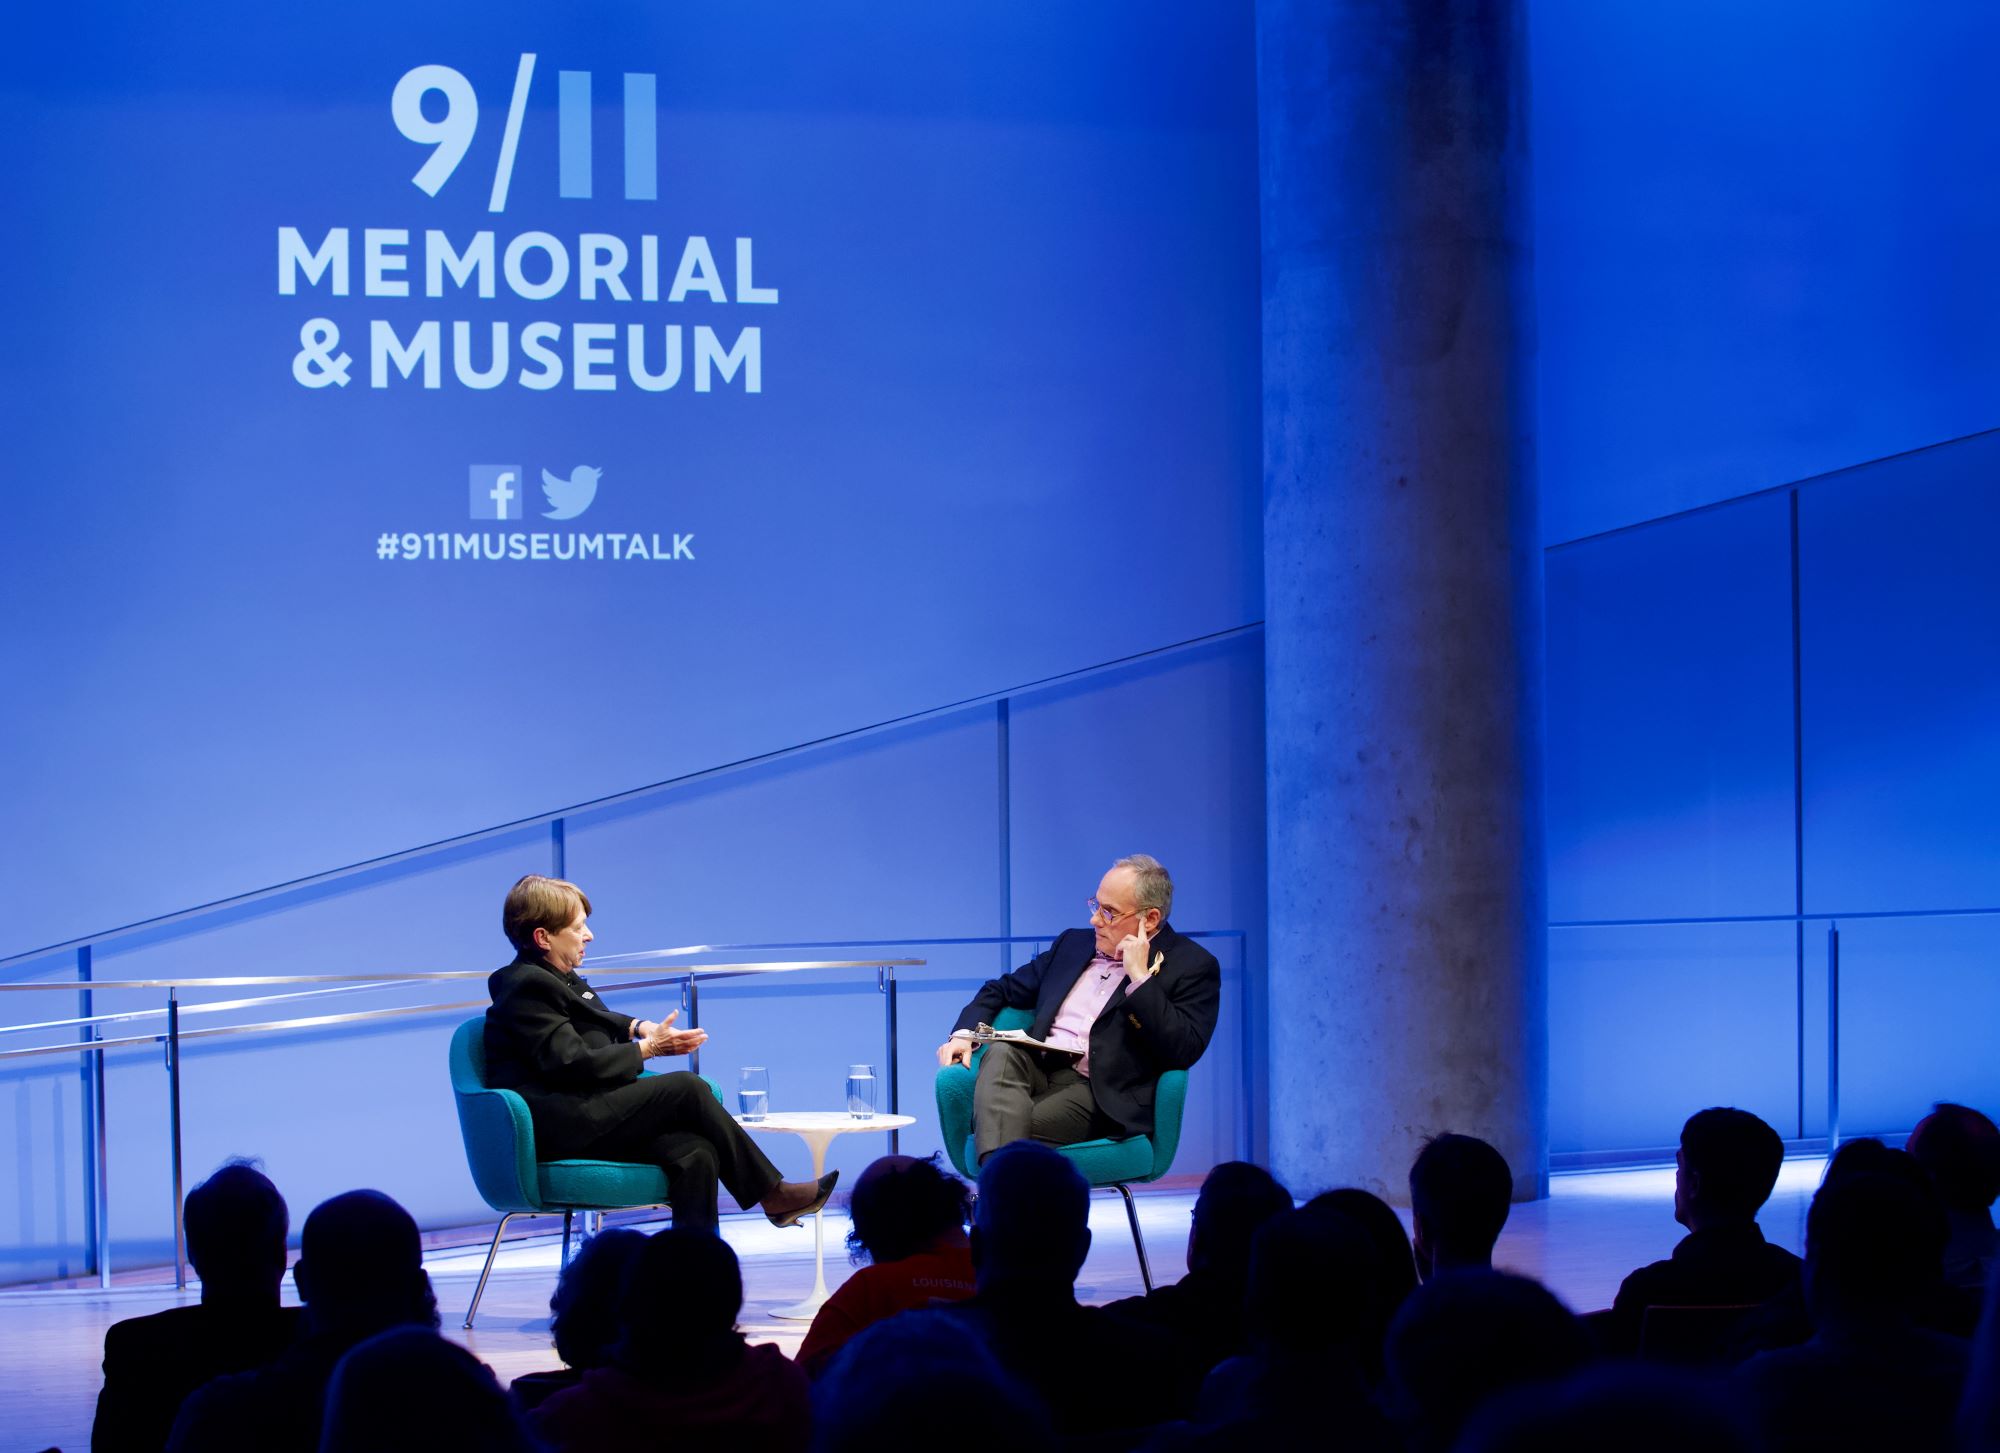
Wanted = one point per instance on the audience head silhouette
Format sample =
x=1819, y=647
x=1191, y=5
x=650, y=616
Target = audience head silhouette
x=1461, y=1340
x=361, y=1268
x=924, y=1370
x=1314, y=1288
x=1960, y=1148
x=1236, y=1198
x=1339, y=1330
x=1632, y=1407
x=584, y=1309
x=901, y=1205
x=1460, y=1191
x=1394, y=1272
x=1875, y=1238
x=1727, y=1164
x=411, y=1391
x=677, y=1321
x=236, y=1224
x=1031, y=1227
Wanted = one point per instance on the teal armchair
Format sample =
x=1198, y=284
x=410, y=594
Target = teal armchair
x=1107, y=1164
x=500, y=1149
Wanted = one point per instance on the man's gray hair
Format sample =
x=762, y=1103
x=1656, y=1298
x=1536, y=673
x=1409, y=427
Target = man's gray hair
x=1153, y=884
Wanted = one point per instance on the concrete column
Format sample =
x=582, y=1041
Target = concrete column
x=1402, y=590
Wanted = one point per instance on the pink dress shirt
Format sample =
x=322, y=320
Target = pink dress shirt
x=1086, y=1000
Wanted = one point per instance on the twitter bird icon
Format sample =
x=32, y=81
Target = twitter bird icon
x=570, y=497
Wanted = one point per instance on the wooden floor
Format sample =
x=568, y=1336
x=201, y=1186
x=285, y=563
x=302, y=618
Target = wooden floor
x=1580, y=1241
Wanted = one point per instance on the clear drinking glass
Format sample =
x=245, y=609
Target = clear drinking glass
x=861, y=1091
x=753, y=1092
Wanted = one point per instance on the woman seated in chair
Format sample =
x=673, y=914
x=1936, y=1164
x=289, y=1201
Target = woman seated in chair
x=576, y=1063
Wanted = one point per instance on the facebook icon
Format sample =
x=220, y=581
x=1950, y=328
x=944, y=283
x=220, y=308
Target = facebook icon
x=496, y=491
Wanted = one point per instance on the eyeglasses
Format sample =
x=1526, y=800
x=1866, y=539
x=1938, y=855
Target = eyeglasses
x=1109, y=915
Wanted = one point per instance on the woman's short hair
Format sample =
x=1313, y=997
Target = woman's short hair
x=538, y=902
x=583, y=1320
x=901, y=1205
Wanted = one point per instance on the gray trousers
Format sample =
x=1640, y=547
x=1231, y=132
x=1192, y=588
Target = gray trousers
x=1030, y=1094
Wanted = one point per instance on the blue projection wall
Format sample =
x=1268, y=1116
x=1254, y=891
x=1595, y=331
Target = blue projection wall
x=806, y=366
x=992, y=819
x=1731, y=777
x=1758, y=259
x=1762, y=251
x=973, y=292
x=811, y=370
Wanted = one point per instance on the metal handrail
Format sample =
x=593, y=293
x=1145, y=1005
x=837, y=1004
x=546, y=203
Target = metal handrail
x=70, y=986
x=555, y=819
x=129, y=1016
x=1700, y=919
x=687, y=976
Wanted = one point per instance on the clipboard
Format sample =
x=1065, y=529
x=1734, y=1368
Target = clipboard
x=987, y=1034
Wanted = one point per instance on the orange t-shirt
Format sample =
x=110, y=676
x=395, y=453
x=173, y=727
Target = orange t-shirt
x=875, y=1293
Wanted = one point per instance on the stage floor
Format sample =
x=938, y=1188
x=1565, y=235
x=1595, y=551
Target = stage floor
x=1581, y=1241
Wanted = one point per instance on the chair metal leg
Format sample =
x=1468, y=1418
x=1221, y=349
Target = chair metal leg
x=1138, y=1241
x=487, y=1270
x=568, y=1217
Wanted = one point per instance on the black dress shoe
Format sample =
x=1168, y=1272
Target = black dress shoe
x=792, y=1218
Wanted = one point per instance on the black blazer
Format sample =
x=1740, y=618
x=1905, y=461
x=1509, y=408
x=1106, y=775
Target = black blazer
x=1164, y=1024
x=152, y=1363
x=550, y=1039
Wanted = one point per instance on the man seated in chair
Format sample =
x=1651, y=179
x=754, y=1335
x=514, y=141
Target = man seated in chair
x=1124, y=1001
x=1725, y=1170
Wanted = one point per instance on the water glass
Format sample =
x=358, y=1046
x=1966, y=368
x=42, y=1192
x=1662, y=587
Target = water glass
x=861, y=1091
x=753, y=1092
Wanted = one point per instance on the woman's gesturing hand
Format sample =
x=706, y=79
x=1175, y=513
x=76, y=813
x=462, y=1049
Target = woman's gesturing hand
x=666, y=1040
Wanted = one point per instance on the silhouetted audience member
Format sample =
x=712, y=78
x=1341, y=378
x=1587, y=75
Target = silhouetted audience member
x=1460, y=1192
x=411, y=1391
x=1311, y=1312
x=236, y=1224
x=360, y=1272
x=1979, y=1412
x=1630, y=1407
x=1723, y=1173
x=919, y=1377
x=680, y=1373
x=1785, y=1322
x=1869, y=1377
x=1462, y=1340
x=1395, y=1260
x=1960, y=1148
x=1203, y=1311
x=908, y=1219
x=583, y=1314
x=1030, y=1234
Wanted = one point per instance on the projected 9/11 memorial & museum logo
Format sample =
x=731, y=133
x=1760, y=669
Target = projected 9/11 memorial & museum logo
x=436, y=106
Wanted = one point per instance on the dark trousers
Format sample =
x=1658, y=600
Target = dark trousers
x=1032, y=1094
x=675, y=1122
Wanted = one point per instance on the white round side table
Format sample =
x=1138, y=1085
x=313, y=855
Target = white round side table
x=817, y=1128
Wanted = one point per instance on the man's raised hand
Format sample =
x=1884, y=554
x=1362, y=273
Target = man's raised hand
x=1133, y=948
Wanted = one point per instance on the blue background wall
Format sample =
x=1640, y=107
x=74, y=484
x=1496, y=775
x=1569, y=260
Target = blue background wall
x=1005, y=439
x=1764, y=283
x=1772, y=663
x=1763, y=245
x=981, y=821
x=1000, y=251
